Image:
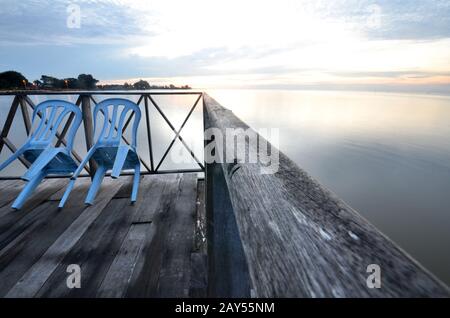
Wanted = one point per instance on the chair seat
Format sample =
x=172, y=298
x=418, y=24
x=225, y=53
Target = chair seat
x=106, y=156
x=63, y=163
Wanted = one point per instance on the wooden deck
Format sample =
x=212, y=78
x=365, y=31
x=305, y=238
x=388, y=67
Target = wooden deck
x=149, y=249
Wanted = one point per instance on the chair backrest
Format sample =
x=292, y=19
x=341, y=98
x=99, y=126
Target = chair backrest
x=111, y=132
x=52, y=114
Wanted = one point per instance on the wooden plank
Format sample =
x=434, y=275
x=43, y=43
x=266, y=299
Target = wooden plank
x=36, y=276
x=174, y=277
x=228, y=274
x=9, y=190
x=97, y=249
x=144, y=282
x=94, y=253
x=88, y=129
x=300, y=240
x=198, y=284
x=17, y=223
x=200, y=222
x=22, y=252
x=125, y=190
x=9, y=216
x=116, y=281
x=161, y=194
x=198, y=287
x=25, y=115
x=141, y=233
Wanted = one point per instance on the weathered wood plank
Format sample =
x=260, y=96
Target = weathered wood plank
x=37, y=275
x=96, y=250
x=200, y=222
x=174, y=277
x=300, y=240
x=9, y=216
x=117, y=279
x=228, y=274
x=114, y=242
x=198, y=285
x=88, y=125
x=160, y=194
x=25, y=115
x=9, y=190
x=144, y=282
x=26, y=248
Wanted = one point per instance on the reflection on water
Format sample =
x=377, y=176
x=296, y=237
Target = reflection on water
x=386, y=155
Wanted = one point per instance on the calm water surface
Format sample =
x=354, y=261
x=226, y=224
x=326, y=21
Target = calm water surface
x=386, y=155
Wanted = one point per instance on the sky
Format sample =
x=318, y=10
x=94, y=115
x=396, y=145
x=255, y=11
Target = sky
x=388, y=45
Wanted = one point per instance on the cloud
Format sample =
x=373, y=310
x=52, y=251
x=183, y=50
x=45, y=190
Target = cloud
x=412, y=20
x=290, y=42
x=45, y=22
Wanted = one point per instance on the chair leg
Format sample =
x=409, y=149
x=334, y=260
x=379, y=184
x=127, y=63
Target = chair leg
x=67, y=193
x=121, y=156
x=83, y=163
x=96, y=182
x=28, y=189
x=136, y=179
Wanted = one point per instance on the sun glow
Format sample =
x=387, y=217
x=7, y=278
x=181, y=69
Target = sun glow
x=284, y=42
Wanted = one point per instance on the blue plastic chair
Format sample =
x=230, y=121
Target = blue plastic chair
x=39, y=150
x=108, y=152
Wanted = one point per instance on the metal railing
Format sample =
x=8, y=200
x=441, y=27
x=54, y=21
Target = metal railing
x=83, y=100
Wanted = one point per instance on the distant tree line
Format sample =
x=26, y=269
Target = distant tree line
x=15, y=80
x=83, y=81
x=139, y=85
